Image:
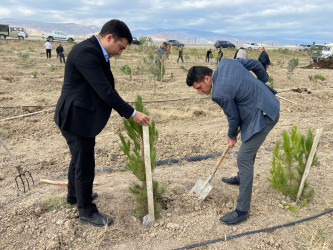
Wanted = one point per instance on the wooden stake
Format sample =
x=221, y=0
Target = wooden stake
x=149, y=179
x=18, y=116
x=286, y=99
x=309, y=162
x=60, y=183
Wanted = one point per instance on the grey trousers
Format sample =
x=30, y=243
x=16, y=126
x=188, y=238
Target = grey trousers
x=245, y=162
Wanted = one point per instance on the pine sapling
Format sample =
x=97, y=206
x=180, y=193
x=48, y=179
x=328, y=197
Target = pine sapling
x=289, y=162
x=133, y=149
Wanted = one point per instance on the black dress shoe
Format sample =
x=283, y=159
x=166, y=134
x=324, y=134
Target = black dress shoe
x=73, y=201
x=231, y=181
x=233, y=218
x=97, y=219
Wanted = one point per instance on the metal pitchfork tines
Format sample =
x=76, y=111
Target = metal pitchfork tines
x=23, y=176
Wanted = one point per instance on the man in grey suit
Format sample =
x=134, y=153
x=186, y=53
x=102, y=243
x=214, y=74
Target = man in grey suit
x=249, y=104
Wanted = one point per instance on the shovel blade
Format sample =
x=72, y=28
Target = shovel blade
x=201, y=189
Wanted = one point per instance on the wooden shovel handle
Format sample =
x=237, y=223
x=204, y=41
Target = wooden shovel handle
x=220, y=160
x=222, y=156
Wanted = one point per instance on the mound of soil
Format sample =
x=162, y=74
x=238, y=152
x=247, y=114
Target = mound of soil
x=322, y=64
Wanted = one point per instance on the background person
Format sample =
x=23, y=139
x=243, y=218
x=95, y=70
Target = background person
x=264, y=58
x=249, y=104
x=208, y=54
x=48, y=47
x=180, y=54
x=60, y=53
x=219, y=56
x=87, y=98
x=160, y=51
x=240, y=53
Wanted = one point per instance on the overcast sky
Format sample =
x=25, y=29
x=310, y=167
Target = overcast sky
x=293, y=20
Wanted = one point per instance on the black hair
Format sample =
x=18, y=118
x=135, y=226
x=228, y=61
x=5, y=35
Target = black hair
x=197, y=74
x=118, y=29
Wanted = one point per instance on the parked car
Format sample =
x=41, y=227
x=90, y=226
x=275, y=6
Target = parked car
x=58, y=35
x=175, y=43
x=224, y=44
x=304, y=47
x=136, y=41
x=251, y=46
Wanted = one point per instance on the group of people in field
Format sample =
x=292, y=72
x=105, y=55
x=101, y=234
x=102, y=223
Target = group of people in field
x=88, y=97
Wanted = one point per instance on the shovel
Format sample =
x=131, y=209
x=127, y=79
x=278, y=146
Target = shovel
x=202, y=188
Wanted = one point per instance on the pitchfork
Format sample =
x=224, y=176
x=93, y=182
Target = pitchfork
x=23, y=176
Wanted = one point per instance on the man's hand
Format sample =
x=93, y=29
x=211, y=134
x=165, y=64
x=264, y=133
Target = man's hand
x=231, y=141
x=141, y=118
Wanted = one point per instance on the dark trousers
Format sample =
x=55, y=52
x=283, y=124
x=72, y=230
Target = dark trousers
x=62, y=57
x=81, y=172
x=48, y=53
x=180, y=57
x=245, y=163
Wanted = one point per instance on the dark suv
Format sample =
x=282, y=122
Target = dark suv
x=175, y=43
x=224, y=44
x=136, y=41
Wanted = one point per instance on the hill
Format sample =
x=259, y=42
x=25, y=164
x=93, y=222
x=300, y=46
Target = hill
x=182, y=35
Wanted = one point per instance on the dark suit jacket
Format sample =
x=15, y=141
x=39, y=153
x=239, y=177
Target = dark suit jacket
x=264, y=59
x=244, y=97
x=88, y=94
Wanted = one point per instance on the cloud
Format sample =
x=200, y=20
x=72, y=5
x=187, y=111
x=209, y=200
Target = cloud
x=94, y=2
x=25, y=11
x=5, y=12
x=195, y=22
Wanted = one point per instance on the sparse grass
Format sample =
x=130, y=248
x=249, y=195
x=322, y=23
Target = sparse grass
x=184, y=68
x=31, y=49
x=280, y=63
x=314, y=238
x=53, y=202
x=23, y=56
x=314, y=79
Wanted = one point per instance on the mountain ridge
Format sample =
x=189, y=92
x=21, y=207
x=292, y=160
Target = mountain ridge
x=182, y=35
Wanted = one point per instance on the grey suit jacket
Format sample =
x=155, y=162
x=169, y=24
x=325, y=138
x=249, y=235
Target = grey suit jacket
x=243, y=97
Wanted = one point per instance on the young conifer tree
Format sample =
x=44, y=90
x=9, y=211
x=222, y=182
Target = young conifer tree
x=133, y=149
x=289, y=162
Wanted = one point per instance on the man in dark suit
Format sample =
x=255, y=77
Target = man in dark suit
x=249, y=104
x=264, y=58
x=87, y=98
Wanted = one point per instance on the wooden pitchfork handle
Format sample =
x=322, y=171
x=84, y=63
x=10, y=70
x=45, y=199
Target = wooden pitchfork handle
x=222, y=156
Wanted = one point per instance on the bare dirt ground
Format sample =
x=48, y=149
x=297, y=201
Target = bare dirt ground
x=190, y=125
